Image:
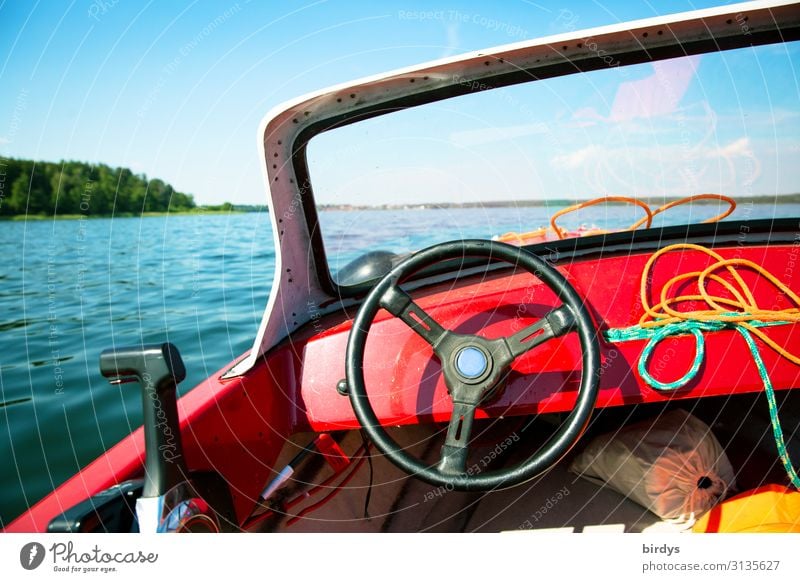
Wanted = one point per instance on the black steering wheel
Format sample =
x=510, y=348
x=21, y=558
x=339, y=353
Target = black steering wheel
x=475, y=368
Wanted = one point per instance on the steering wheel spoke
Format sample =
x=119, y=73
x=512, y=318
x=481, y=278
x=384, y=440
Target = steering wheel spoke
x=399, y=303
x=555, y=323
x=456, y=445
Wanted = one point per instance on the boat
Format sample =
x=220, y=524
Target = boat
x=449, y=388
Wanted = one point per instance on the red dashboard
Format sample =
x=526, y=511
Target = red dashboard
x=404, y=379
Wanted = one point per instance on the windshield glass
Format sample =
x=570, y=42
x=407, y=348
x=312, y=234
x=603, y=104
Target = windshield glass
x=501, y=162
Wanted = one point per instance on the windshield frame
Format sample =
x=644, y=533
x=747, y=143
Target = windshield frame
x=591, y=59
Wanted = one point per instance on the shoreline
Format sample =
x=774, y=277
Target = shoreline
x=43, y=217
x=773, y=201
x=551, y=203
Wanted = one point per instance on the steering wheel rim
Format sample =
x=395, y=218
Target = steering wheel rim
x=388, y=295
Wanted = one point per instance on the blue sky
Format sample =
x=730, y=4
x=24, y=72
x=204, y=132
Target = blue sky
x=177, y=91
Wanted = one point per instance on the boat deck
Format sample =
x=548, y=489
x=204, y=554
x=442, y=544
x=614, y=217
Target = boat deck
x=556, y=501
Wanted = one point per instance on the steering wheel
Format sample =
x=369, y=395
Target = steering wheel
x=475, y=368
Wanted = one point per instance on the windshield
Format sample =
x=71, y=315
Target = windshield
x=501, y=162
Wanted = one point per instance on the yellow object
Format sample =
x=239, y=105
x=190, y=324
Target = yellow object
x=520, y=238
x=767, y=509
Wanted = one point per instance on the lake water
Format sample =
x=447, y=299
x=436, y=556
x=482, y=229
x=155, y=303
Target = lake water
x=69, y=289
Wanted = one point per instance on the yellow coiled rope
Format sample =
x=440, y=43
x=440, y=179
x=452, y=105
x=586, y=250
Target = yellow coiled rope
x=742, y=308
x=739, y=311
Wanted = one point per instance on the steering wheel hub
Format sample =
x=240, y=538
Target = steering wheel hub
x=472, y=363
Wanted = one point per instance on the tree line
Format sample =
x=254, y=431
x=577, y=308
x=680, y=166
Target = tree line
x=49, y=188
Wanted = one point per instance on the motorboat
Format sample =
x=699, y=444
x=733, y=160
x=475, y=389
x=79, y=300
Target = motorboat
x=448, y=388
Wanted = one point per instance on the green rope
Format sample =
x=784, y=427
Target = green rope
x=777, y=432
x=694, y=327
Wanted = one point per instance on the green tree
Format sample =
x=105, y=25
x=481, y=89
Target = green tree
x=70, y=187
x=30, y=194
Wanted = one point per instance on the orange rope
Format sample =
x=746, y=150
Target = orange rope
x=648, y=219
x=561, y=234
x=740, y=312
x=742, y=308
x=688, y=199
x=520, y=238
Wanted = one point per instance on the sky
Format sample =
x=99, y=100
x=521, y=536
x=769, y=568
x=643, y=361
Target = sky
x=177, y=91
x=726, y=123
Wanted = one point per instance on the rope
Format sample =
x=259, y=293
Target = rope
x=688, y=199
x=738, y=311
x=646, y=220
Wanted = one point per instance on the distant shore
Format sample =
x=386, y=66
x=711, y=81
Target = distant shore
x=548, y=203
x=562, y=202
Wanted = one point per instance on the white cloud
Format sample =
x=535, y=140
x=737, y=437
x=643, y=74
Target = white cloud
x=656, y=95
x=575, y=159
x=738, y=148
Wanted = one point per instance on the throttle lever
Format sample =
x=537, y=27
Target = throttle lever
x=158, y=368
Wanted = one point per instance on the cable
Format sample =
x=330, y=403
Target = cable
x=687, y=199
x=365, y=439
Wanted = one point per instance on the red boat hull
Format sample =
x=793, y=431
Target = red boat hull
x=237, y=427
